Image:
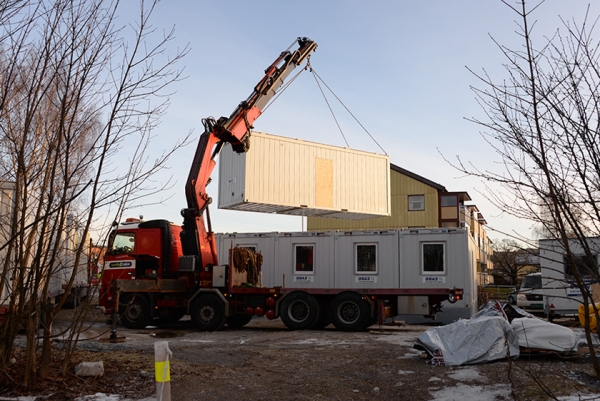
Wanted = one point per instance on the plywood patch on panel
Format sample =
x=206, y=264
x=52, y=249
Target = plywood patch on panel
x=324, y=182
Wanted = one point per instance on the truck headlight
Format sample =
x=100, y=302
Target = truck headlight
x=521, y=297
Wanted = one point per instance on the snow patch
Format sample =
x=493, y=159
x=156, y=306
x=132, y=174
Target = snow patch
x=109, y=397
x=314, y=341
x=466, y=374
x=411, y=355
x=465, y=391
x=580, y=397
x=398, y=339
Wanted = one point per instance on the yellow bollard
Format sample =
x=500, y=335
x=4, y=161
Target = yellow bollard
x=162, y=371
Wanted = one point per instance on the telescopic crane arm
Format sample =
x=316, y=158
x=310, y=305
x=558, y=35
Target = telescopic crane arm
x=198, y=239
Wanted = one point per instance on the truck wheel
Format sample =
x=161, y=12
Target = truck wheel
x=349, y=312
x=238, y=321
x=208, y=313
x=299, y=311
x=135, y=311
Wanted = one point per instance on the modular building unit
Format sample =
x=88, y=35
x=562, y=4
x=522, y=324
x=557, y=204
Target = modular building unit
x=561, y=296
x=7, y=194
x=394, y=259
x=441, y=258
x=59, y=274
x=69, y=241
x=295, y=177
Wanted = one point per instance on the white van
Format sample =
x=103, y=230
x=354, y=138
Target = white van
x=530, y=296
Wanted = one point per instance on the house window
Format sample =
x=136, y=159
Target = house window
x=433, y=258
x=416, y=202
x=366, y=258
x=304, y=257
x=448, y=200
x=587, y=266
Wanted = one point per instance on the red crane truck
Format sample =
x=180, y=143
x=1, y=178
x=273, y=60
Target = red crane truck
x=158, y=270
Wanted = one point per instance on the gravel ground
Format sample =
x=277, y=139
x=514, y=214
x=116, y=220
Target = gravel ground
x=266, y=361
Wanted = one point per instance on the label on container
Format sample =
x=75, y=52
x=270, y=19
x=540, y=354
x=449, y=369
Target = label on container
x=231, y=181
x=366, y=279
x=434, y=280
x=303, y=279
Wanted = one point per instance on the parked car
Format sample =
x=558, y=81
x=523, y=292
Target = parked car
x=529, y=296
x=512, y=296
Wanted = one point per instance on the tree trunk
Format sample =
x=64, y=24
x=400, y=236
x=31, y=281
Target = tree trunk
x=47, y=320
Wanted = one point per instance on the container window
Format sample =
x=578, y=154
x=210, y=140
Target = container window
x=587, y=266
x=366, y=258
x=433, y=258
x=416, y=202
x=304, y=257
x=122, y=243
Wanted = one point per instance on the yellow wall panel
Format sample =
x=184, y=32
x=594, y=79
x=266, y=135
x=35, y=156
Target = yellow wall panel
x=400, y=187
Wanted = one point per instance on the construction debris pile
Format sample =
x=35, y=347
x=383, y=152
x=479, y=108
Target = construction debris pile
x=495, y=332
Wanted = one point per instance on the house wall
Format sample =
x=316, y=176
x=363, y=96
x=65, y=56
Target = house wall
x=400, y=187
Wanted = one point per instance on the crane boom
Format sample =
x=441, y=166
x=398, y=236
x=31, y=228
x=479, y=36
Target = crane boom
x=197, y=239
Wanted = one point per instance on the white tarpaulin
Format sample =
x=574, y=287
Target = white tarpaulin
x=536, y=333
x=489, y=336
x=479, y=340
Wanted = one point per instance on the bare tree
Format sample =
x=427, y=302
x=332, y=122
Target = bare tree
x=512, y=261
x=74, y=92
x=543, y=120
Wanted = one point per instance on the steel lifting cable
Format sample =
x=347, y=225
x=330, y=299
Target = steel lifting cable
x=282, y=89
x=348, y=110
x=317, y=79
x=328, y=105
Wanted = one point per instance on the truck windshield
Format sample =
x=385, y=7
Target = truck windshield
x=532, y=282
x=122, y=243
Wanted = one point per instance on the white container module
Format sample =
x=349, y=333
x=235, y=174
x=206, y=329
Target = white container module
x=561, y=294
x=392, y=259
x=295, y=177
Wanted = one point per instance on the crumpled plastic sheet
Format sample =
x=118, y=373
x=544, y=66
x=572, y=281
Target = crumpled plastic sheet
x=494, y=332
x=484, y=339
x=539, y=334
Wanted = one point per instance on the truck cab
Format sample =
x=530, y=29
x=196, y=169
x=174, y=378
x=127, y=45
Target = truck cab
x=140, y=249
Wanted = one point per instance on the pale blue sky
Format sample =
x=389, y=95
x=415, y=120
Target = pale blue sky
x=398, y=65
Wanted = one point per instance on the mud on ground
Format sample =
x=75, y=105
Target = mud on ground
x=266, y=361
